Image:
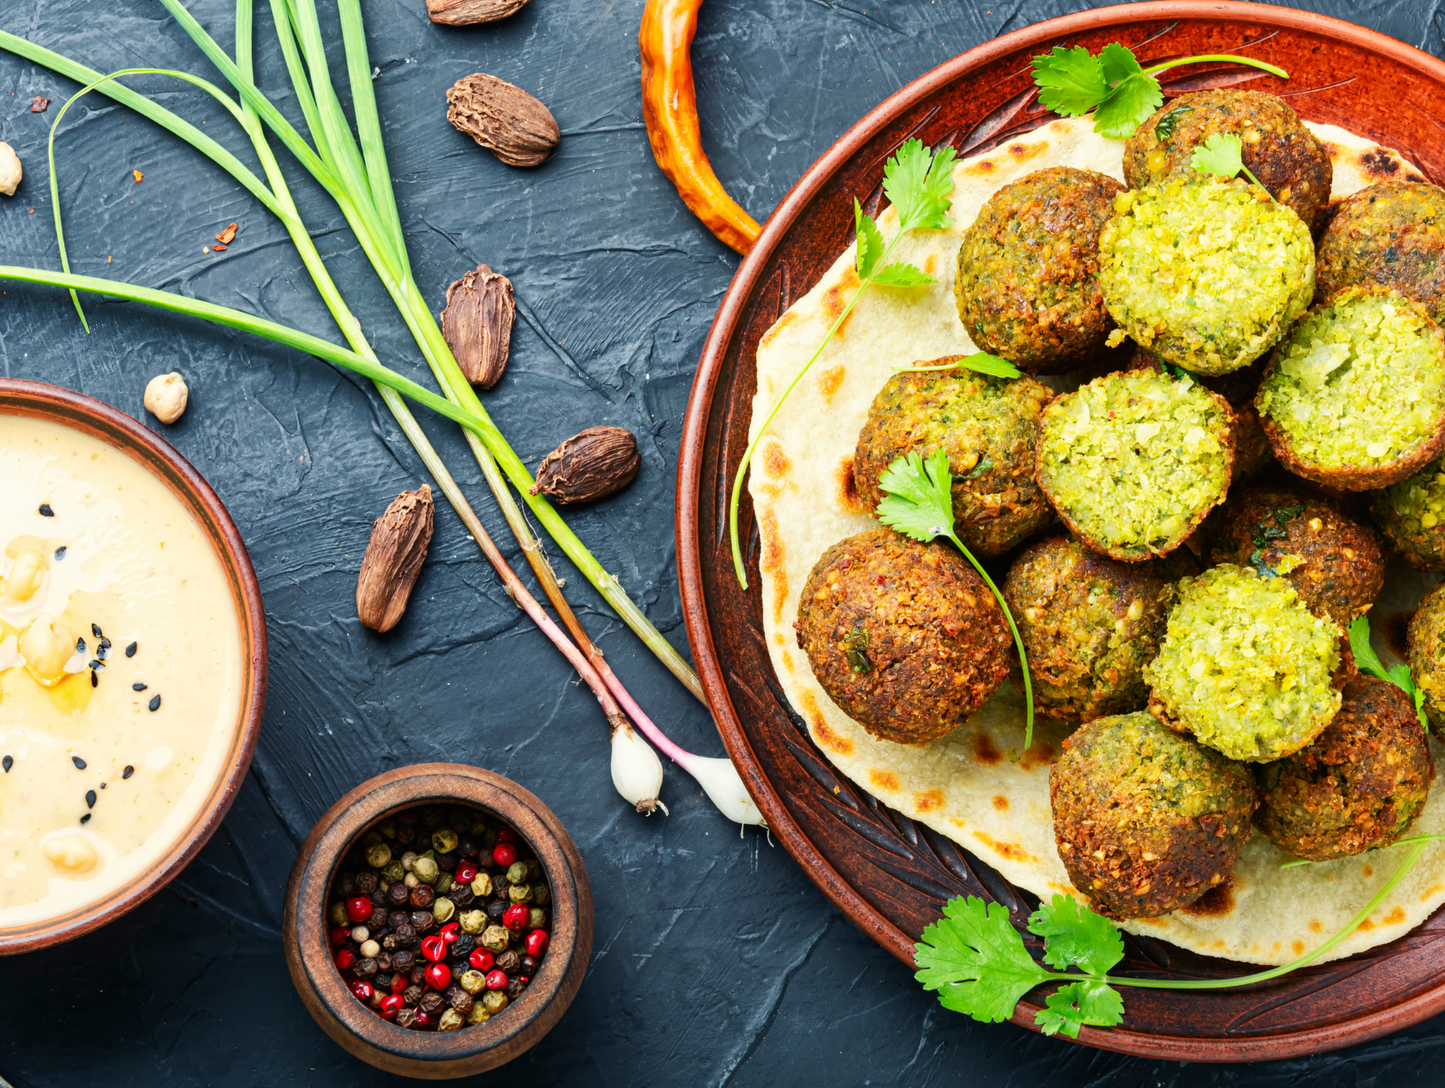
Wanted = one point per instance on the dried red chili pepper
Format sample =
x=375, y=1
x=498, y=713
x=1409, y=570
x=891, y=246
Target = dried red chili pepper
x=669, y=108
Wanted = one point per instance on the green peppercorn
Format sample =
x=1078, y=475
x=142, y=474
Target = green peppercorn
x=517, y=873
x=378, y=854
x=443, y=909
x=388, y=830
x=473, y=982
x=479, y=1014
x=494, y=1001
x=408, y=859
x=482, y=885
x=519, y=893
x=451, y=1020
x=473, y=921
x=394, y=871
x=338, y=914
x=425, y=869
x=495, y=938
x=444, y=840
x=534, y=869
x=541, y=894
x=537, y=919
x=371, y=838
x=443, y=883
x=479, y=827
x=489, y=837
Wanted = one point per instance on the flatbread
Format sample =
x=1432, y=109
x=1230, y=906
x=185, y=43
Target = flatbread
x=975, y=785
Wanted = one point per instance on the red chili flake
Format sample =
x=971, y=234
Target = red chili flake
x=227, y=236
x=218, y=248
x=39, y=105
x=137, y=175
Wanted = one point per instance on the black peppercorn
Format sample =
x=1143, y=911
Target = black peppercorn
x=405, y=936
x=529, y=967
x=418, y=975
x=447, y=861
x=346, y=884
x=403, y=960
x=389, y=942
x=382, y=981
x=422, y=920
x=377, y=897
x=461, y=895
x=421, y=896
x=397, y=918
x=509, y=962
x=500, y=884
x=468, y=847
x=431, y=1003
x=464, y=945
x=385, y=961
x=398, y=894
x=461, y=1000
x=406, y=834
x=364, y=968
x=412, y=994
x=406, y=1017
x=377, y=919
x=366, y=883
x=514, y=988
x=432, y=817
x=496, y=908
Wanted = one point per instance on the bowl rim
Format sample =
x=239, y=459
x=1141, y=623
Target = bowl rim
x=472, y=1048
x=690, y=551
x=99, y=420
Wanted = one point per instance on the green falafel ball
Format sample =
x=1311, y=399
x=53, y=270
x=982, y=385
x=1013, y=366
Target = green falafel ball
x=986, y=425
x=1358, y=786
x=1206, y=273
x=1354, y=398
x=1245, y=666
x=1411, y=516
x=1134, y=461
x=1146, y=820
x=1426, y=654
x=1391, y=233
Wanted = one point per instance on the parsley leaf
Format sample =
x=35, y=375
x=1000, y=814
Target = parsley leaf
x=976, y=960
x=1071, y=1007
x=900, y=274
x=1369, y=663
x=1070, y=81
x=1075, y=936
x=870, y=242
x=919, y=503
x=920, y=185
x=1222, y=153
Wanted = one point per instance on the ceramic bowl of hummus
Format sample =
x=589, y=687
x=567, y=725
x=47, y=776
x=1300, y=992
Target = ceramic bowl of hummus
x=132, y=664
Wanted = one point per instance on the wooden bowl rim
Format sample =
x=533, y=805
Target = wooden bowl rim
x=689, y=495
x=99, y=420
x=427, y=1054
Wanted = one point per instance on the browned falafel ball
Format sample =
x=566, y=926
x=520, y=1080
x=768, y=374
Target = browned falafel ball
x=1333, y=562
x=905, y=637
x=1238, y=387
x=1146, y=820
x=1358, y=786
x=987, y=426
x=1027, y=286
x=1426, y=654
x=1089, y=625
x=1286, y=157
x=1411, y=517
x=1391, y=233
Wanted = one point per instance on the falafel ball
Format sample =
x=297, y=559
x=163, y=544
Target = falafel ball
x=1134, y=461
x=986, y=425
x=1027, y=286
x=1425, y=652
x=905, y=637
x=1333, y=562
x=1238, y=387
x=1088, y=625
x=1359, y=785
x=1146, y=820
x=1411, y=515
x=1354, y=398
x=1206, y=272
x=1245, y=666
x=1391, y=233
x=1289, y=160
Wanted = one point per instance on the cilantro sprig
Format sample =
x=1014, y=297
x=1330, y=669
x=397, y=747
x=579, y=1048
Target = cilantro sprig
x=1369, y=663
x=919, y=184
x=976, y=960
x=919, y=504
x=1112, y=83
x=980, y=361
x=1223, y=154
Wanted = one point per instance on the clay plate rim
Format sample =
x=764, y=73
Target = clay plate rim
x=692, y=550
x=100, y=420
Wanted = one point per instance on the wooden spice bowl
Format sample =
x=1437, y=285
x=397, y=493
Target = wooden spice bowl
x=98, y=420
x=476, y=1048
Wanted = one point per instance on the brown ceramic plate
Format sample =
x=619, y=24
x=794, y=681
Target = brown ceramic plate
x=101, y=421
x=890, y=875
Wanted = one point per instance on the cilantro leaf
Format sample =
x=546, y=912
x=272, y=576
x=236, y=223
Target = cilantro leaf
x=899, y=274
x=980, y=362
x=1222, y=153
x=1369, y=663
x=1128, y=106
x=977, y=961
x=1074, y=935
x=1071, y=1007
x=1117, y=63
x=1070, y=81
x=920, y=185
x=870, y=242
x=919, y=503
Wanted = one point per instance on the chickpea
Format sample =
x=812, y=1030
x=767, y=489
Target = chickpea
x=27, y=575
x=10, y=172
x=73, y=853
x=47, y=645
x=165, y=398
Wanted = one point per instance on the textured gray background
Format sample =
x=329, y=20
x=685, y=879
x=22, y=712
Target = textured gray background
x=716, y=961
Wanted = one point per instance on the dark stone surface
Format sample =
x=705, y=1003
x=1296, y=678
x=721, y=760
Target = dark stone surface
x=716, y=961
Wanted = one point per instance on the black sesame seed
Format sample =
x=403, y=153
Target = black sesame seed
x=130, y=650
x=85, y=819
x=7, y=763
x=45, y=510
x=79, y=763
x=137, y=687
x=105, y=644
x=97, y=664
x=129, y=770
x=80, y=645
x=95, y=630
x=155, y=703
x=60, y=552
x=89, y=798
x=95, y=680
x=102, y=653
x=102, y=785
